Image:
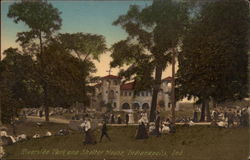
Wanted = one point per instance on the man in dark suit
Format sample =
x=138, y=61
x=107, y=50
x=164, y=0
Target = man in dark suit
x=104, y=131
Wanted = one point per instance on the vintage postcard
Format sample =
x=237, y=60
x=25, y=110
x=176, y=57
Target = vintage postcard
x=125, y=80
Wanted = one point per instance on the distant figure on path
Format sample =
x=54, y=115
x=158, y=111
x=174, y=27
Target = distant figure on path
x=104, y=131
x=40, y=113
x=127, y=118
x=195, y=115
x=112, y=118
x=119, y=120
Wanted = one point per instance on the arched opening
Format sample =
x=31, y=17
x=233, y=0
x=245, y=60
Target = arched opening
x=145, y=106
x=125, y=106
x=161, y=103
x=111, y=94
x=115, y=82
x=136, y=106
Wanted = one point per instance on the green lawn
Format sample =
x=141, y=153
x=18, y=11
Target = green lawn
x=194, y=143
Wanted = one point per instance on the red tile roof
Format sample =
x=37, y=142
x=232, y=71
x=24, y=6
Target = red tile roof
x=167, y=79
x=111, y=77
x=127, y=86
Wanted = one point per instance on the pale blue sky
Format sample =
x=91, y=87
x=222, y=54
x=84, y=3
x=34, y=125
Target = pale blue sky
x=78, y=16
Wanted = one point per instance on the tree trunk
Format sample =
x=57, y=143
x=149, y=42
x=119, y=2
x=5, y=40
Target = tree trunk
x=214, y=103
x=0, y=109
x=158, y=74
x=208, y=111
x=46, y=107
x=203, y=107
x=0, y=99
x=45, y=98
x=173, y=102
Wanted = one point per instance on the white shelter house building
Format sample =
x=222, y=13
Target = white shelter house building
x=121, y=96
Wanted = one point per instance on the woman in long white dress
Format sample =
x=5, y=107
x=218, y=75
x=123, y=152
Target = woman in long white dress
x=89, y=137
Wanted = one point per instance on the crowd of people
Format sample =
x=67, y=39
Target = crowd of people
x=158, y=127
x=221, y=117
x=226, y=117
x=144, y=129
x=230, y=117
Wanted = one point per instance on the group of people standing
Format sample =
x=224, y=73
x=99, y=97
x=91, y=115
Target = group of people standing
x=227, y=116
x=90, y=137
x=156, y=128
x=113, y=119
x=233, y=116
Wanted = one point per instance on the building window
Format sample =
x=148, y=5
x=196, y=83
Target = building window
x=138, y=94
x=145, y=106
x=125, y=106
x=169, y=105
x=114, y=104
x=111, y=94
x=125, y=93
x=116, y=92
x=108, y=82
x=136, y=106
x=142, y=94
x=161, y=103
x=115, y=82
x=129, y=93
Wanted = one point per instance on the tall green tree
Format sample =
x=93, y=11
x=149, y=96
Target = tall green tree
x=65, y=75
x=86, y=47
x=213, y=61
x=153, y=34
x=18, y=86
x=43, y=20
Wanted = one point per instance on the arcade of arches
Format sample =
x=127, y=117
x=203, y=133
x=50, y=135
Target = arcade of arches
x=135, y=106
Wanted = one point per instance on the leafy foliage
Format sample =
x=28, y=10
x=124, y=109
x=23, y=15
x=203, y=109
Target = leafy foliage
x=213, y=61
x=41, y=17
x=83, y=44
x=18, y=86
x=152, y=33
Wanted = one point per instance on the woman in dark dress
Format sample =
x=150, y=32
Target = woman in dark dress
x=142, y=131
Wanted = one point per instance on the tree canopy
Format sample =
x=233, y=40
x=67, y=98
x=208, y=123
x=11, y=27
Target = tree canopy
x=41, y=17
x=152, y=34
x=213, y=61
x=61, y=75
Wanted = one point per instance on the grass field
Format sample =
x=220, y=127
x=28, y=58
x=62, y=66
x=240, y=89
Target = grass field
x=193, y=143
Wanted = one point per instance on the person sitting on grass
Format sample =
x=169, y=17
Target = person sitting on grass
x=151, y=128
x=172, y=127
x=222, y=124
x=104, y=131
x=165, y=128
x=230, y=118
